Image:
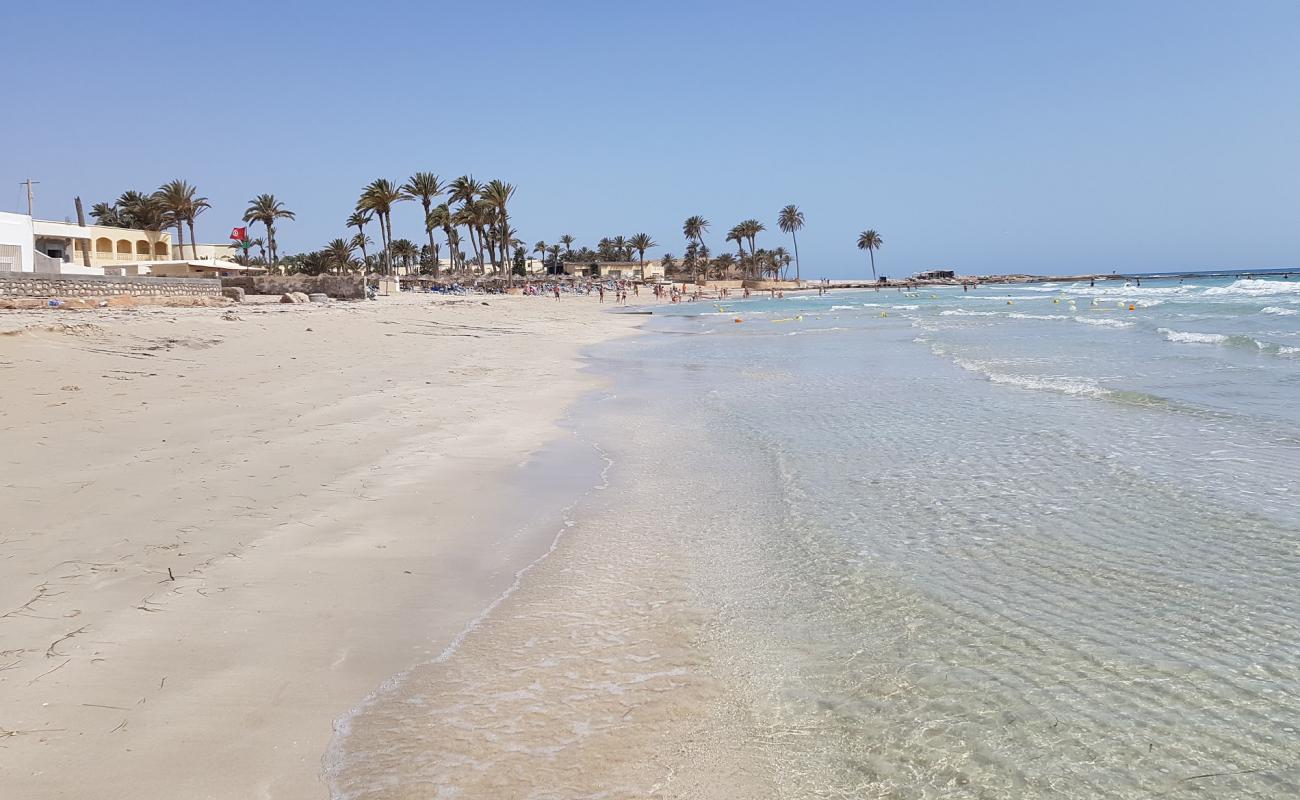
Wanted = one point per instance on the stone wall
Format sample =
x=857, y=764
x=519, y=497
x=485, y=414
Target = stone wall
x=31, y=284
x=340, y=287
x=766, y=285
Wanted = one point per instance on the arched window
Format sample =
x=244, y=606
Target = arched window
x=160, y=251
x=123, y=250
x=104, y=247
x=142, y=250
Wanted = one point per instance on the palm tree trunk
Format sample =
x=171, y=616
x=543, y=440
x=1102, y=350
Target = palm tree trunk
x=193, y=247
x=505, y=248
x=425, y=201
x=796, y=255
x=478, y=247
x=270, y=245
x=180, y=239
x=871, y=251
x=388, y=228
x=362, y=241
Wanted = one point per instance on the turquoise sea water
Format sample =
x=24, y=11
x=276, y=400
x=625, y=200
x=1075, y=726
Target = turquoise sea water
x=1021, y=542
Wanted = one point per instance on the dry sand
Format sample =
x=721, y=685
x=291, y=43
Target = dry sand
x=222, y=528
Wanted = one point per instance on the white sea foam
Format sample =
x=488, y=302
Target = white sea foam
x=1191, y=337
x=1063, y=384
x=1018, y=315
x=1103, y=322
x=904, y=308
x=843, y=308
x=1252, y=287
x=807, y=331
x=961, y=312
x=1279, y=311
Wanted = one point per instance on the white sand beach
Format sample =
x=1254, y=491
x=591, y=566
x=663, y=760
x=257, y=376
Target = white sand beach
x=224, y=527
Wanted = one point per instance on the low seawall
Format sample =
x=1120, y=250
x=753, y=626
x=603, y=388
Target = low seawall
x=36, y=285
x=340, y=287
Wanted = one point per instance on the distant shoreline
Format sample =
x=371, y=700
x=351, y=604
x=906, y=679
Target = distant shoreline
x=1019, y=278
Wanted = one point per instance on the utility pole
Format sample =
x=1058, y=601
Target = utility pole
x=29, y=183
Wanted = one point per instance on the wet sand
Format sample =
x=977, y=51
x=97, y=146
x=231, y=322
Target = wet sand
x=224, y=527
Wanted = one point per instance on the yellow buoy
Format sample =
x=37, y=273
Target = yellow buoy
x=738, y=319
x=1008, y=302
x=1130, y=307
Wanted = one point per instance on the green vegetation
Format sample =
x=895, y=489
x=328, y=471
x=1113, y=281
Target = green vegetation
x=469, y=210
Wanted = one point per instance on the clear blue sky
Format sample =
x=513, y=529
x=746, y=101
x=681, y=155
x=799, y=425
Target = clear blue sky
x=992, y=136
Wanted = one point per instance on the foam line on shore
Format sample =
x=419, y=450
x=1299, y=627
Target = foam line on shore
x=333, y=758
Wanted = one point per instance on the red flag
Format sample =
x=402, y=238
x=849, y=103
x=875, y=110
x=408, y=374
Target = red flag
x=239, y=234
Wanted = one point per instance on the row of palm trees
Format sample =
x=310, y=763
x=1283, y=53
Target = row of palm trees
x=481, y=210
x=756, y=261
x=700, y=261
x=175, y=204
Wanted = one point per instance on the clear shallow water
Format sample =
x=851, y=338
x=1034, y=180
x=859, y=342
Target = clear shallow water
x=877, y=545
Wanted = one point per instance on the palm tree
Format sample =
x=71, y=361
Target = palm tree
x=266, y=209
x=178, y=199
x=723, y=264
x=141, y=211
x=669, y=263
x=554, y=252
x=198, y=206
x=466, y=217
x=359, y=220
x=619, y=245
x=425, y=186
x=541, y=249
x=567, y=240
x=791, y=221
x=172, y=198
x=752, y=228
x=338, y=254
x=642, y=242
x=870, y=241
x=378, y=197
x=498, y=194
x=465, y=190
x=406, y=252
x=737, y=236
x=107, y=214
x=359, y=242
x=485, y=221
x=782, y=257
x=693, y=229
x=441, y=217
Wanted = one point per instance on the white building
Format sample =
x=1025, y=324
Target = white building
x=64, y=248
x=16, y=243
